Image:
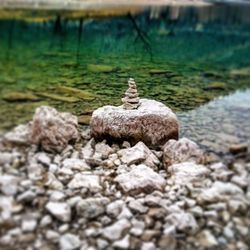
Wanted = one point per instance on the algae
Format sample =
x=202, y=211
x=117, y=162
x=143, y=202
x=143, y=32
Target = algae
x=80, y=71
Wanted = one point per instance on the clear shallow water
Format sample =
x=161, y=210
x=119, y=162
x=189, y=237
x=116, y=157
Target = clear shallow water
x=182, y=56
x=219, y=123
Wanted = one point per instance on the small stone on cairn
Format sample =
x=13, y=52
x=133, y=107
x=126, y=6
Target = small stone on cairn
x=131, y=99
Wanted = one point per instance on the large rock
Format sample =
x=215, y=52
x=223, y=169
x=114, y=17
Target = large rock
x=182, y=150
x=140, y=179
x=53, y=130
x=152, y=123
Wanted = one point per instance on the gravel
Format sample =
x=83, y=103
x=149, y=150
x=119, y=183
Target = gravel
x=60, y=201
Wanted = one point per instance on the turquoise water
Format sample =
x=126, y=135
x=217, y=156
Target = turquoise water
x=184, y=57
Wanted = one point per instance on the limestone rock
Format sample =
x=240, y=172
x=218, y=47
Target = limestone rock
x=181, y=151
x=114, y=208
x=91, y=207
x=220, y=191
x=137, y=207
x=19, y=135
x=122, y=244
x=53, y=130
x=182, y=221
x=6, y=207
x=75, y=164
x=89, y=181
x=152, y=123
x=116, y=230
x=9, y=184
x=69, y=241
x=29, y=225
x=207, y=239
x=5, y=158
x=102, y=150
x=138, y=154
x=148, y=246
x=140, y=179
x=186, y=172
x=60, y=210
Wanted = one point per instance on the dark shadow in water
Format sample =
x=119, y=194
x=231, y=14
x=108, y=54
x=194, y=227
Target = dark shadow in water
x=79, y=40
x=58, y=25
x=142, y=36
x=10, y=39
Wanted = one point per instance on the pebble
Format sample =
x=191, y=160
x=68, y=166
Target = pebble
x=137, y=227
x=45, y=221
x=206, y=239
x=102, y=244
x=116, y=230
x=89, y=181
x=29, y=225
x=52, y=235
x=148, y=246
x=113, y=209
x=228, y=232
x=5, y=158
x=27, y=196
x=60, y=210
x=141, y=178
x=123, y=243
x=69, y=241
x=76, y=164
x=136, y=206
x=57, y=196
x=91, y=207
x=43, y=158
x=9, y=184
x=182, y=221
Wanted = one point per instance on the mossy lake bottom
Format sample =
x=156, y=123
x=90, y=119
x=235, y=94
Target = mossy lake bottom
x=199, y=67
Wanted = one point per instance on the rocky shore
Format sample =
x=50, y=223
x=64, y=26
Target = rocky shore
x=89, y=194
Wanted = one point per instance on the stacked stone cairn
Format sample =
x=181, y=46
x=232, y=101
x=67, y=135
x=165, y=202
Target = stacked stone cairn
x=131, y=99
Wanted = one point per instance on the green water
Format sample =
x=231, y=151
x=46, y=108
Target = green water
x=184, y=63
